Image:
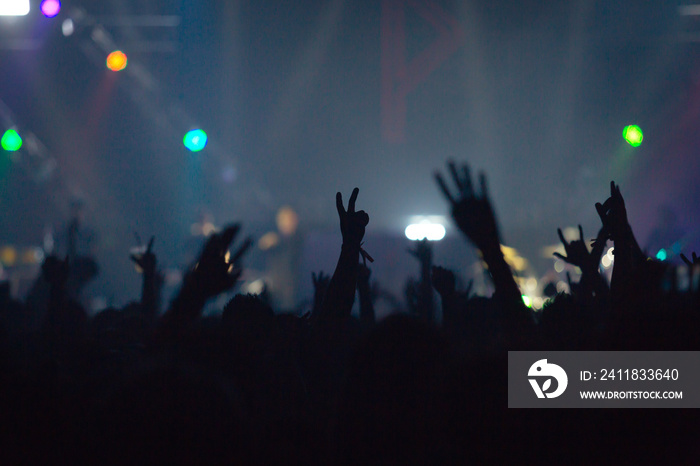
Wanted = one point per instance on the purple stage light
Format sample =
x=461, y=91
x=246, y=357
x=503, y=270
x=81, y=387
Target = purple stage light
x=50, y=8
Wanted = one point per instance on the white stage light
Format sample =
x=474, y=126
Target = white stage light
x=431, y=231
x=14, y=7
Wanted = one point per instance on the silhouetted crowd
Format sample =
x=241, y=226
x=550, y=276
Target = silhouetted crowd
x=159, y=383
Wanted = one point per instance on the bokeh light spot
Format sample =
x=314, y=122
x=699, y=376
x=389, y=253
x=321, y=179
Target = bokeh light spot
x=67, y=27
x=633, y=135
x=50, y=8
x=662, y=255
x=116, y=61
x=268, y=240
x=11, y=141
x=537, y=303
x=195, y=140
x=559, y=266
x=8, y=256
x=287, y=221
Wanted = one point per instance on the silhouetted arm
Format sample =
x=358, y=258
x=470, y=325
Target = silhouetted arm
x=152, y=281
x=688, y=262
x=629, y=257
x=213, y=274
x=473, y=214
x=425, y=307
x=321, y=282
x=592, y=282
x=341, y=290
x=444, y=281
x=364, y=290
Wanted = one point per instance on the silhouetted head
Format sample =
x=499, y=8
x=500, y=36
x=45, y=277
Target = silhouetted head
x=246, y=308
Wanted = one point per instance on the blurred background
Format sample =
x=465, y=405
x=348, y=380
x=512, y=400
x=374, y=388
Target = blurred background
x=296, y=100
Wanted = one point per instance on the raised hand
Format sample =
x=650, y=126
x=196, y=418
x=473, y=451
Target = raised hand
x=152, y=279
x=216, y=270
x=352, y=224
x=613, y=213
x=631, y=267
x=147, y=260
x=577, y=253
x=474, y=215
x=453, y=302
x=598, y=245
x=423, y=252
x=320, y=281
x=444, y=281
x=340, y=295
x=592, y=283
x=695, y=261
x=471, y=210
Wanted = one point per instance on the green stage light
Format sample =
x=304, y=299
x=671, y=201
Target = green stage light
x=633, y=135
x=11, y=141
x=195, y=140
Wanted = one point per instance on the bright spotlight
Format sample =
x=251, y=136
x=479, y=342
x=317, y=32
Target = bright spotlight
x=633, y=135
x=431, y=231
x=116, y=61
x=14, y=7
x=50, y=8
x=11, y=141
x=195, y=140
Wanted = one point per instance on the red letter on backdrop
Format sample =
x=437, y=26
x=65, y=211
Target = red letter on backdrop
x=399, y=77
